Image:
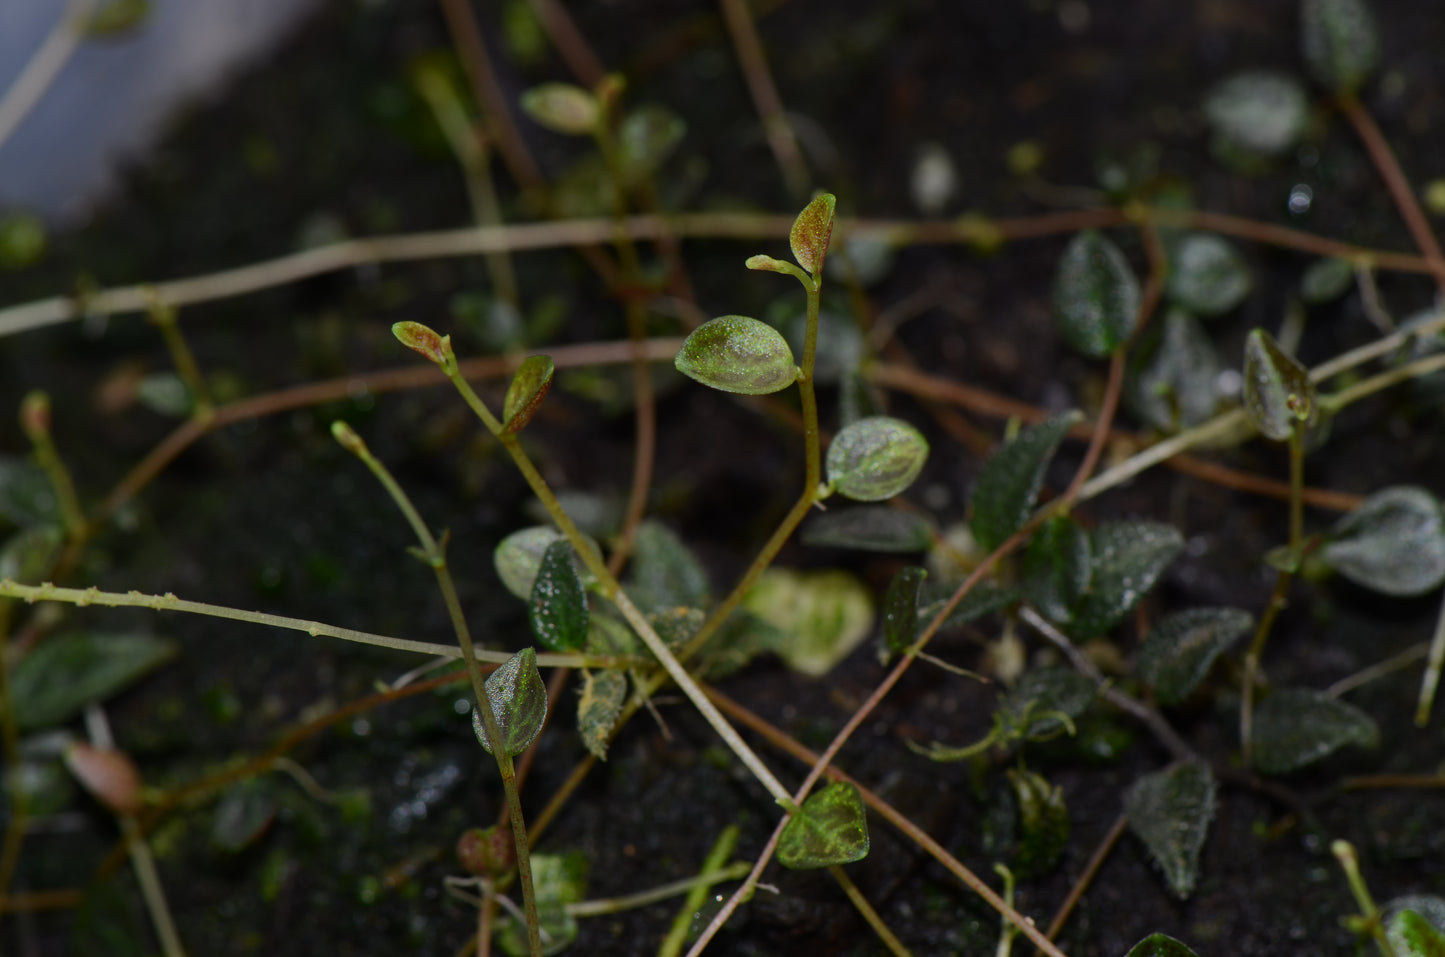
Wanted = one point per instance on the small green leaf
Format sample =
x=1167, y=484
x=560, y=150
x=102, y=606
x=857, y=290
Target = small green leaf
x=646, y=137
x=22, y=241
x=1096, y=295
x=1206, y=275
x=242, y=815
x=1261, y=112
x=1057, y=567
x=518, y=557
x=1182, y=648
x=62, y=675
x=1393, y=543
x=1429, y=910
x=1170, y=812
x=1294, y=727
x=26, y=497
x=563, y=108
x=900, y=609
x=664, y=572
x=876, y=458
x=1043, y=702
x=1341, y=43
x=1412, y=935
x=528, y=389
x=1326, y=280
x=423, y=340
x=1043, y=823
x=558, y=606
x=1129, y=557
x=1278, y=394
x=518, y=698
x=165, y=393
x=812, y=231
x=602, y=696
x=824, y=614
x=1160, y=945
x=738, y=354
x=1172, y=374
x=1009, y=482
x=830, y=828
x=872, y=528
x=30, y=555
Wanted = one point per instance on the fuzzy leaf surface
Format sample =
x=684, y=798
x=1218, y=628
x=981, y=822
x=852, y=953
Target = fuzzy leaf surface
x=830, y=828
x=1180, y=649
x=1263, y=112
x=812, y=231
x=1340, y=42
x=665, y=572
x=518, y=698
x=1207, y=275
x=1393, y=543
x=876, y=458
x=1096, y=295
x=1326, y=280
x=981, y=600
x=1172, y=374
x=61, y=675
x=557, y=610
x=1278, y=393
x=518, y=557
x=872, y=528
x=738, y=354
x=602, y=696
x=1412, y=935
x=1057, y=567
x=1294, y=727
x=526, y=392
x=900, y=609
x=1009, y=482
x=1170, y=812
x=1129, y=558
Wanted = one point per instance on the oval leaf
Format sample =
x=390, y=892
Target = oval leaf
x=603, y=694
x=1160, y=945
x=1326, y=280
x=824, y=615
x=876, y=458
x=1341, y=43
x=1412, y=935
x=1181, y=649
x=1096, y=296
x=1260, y=112
x=423, y=340
x=1393, y=543
x=1278, y=394
x=872, y=528
x=528, y=389
x=558, y=605
x=738, y=354
x=518, y=557
x=65, y=673
x=563, y=108
x=1172, y=374
x=900, y=609
x=811, y=232
x=1129, y=557
x=1009, y=482
x=830, y=828
x=1206, y=275
x=242, y=815
x=518, y=698
x=1294, y=727
x=1170, y=812
x=1057, y=568
x=665, y=573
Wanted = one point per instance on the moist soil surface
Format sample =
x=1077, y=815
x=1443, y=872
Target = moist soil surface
x=328, y=139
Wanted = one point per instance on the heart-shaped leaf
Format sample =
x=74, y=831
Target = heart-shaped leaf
x=872, y=528
x=1261, y=112
x=62, y=675
x=1181, y=649
x=1096, y=295
x=812, y=231
x=1170, y=812
x=518, y=699
x=900, y=609
x=528, y=389
x=1206, y=275
x=830, y=828
x=557, y=610
x=1393, y=543
x=1294, y=727
x=876, y=458
x=1009, y=482
x=1129, y=557
x=600, y=703
x=823, y=615
x=1172, y=374
x=1160, y=945
x=738, y=354
x=1057, y=568
x=1278, y=393
x=563, y=108
x=1341, y=43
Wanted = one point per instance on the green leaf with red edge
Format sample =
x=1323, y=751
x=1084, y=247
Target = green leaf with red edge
x=738, y=354
x=557, y=611
x=812, y=231
x=830, y=828
x=529, y=387
x=422, y=339
x=518, y=699
x=1278, y=393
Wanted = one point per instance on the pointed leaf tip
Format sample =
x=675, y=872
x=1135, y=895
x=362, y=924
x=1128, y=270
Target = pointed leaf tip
x=1278, y=394
x=423, y=339
x=1009, y=482
x=518, y=699
x=1170, y=812
x=557, y=611
x=738, y=354
x=1096, y=295
x=812, y=231
x=529, y=387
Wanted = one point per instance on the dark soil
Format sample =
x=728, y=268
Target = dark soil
x=273, y=515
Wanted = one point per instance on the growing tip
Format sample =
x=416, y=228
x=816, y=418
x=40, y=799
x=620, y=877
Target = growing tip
x=423, y=339
x=347, y=437
x=35, y=415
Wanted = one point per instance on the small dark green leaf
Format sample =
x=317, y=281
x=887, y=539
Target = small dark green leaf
x=1057, y=567
x=1326, y=280
x=26, y=497
x=873, y=528
x=518, y=557
x=824, y=614
x=1181, y=649
x=1261, y=112
x=1160, y=945
x=1129, y=557
x=1170, y=812
x=29, y=556
x=1341, y=43
x=1206, y=275
x=22, y=241
x=876, y=458
x=1412, y=935
x=812, y=231
x=563, y=108
x=1009, y=482
x=603, y=694
x=528, y=389
x=1043, y=823
x=1096, y=296
x=518, y=698
x=1294, y=727
x=62, y=675
x=830, y=828
x=242, y=815
x=1393, y=543
x=665, y=573
x=900, y=609
x=1038, y=704
x=557, y=610
x=1278, y=394
x=982, y=599
x=646, y=137
x=738, y=354
x=1173, y=373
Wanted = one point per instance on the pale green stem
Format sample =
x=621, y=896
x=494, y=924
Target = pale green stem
x=722, y=849
x=48, y=457
x=1009, y=930
x=1432, y=673
x=164, y=318
x=1344, y=852
x=700, y=882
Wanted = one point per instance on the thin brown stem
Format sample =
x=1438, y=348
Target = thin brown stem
x=570, y=43
x=1091, y=870
x=764, y=91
